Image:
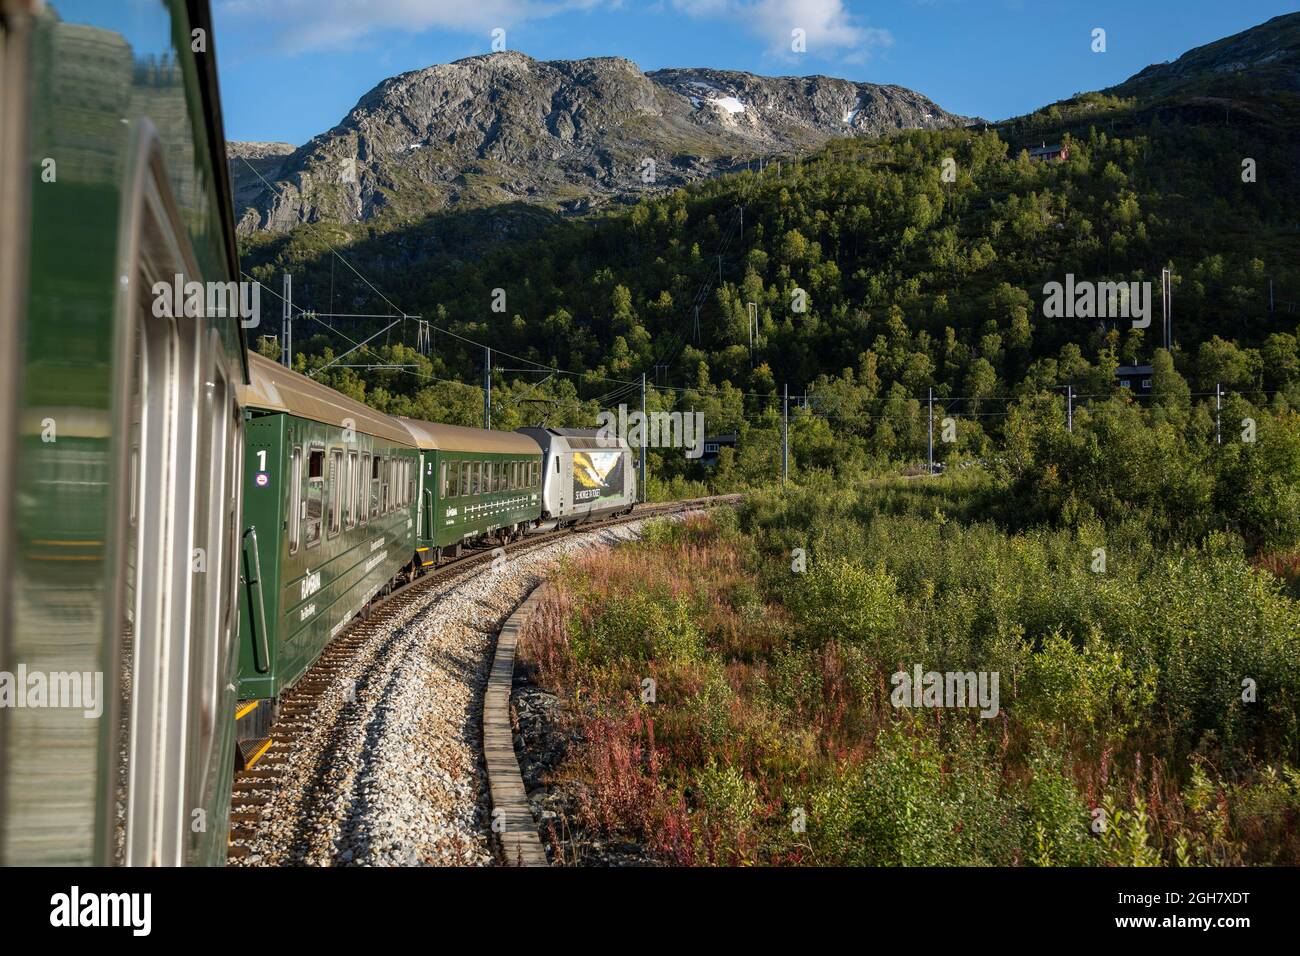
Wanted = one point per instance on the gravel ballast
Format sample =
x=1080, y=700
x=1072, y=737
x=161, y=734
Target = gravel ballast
x=389, y=770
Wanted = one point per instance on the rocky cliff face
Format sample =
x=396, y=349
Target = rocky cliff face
x=1265, y=58
x=567, y=135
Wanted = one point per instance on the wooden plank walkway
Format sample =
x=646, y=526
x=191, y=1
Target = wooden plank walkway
x=512, y=817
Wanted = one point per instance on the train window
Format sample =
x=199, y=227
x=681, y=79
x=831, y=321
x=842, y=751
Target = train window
x=295, y=499
x=363, y=483
x=493, y=477
x=476, y=477
x=446, y=488
x=515, y=468
x=410, y=483
x=383, y=485
x=350, y=492
x=336, y=487
x=376, y=463
x=315, y=495
x=537, y=473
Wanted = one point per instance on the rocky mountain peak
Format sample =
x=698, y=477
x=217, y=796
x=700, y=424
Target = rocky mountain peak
x=563, y=134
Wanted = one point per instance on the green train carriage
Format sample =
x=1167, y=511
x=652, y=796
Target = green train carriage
x=474, y=483
x=341, y=503
x=330, y=488
x=119, y=503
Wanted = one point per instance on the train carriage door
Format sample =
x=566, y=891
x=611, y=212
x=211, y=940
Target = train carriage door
x=434, y=490
x=167, y=640
x=212, y=564
x=294, y=511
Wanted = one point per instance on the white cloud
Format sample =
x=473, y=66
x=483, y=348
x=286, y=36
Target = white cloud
x=831, y=31
x=303, y=25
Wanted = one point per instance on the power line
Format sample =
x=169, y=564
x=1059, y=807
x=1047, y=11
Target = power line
x=390, y=302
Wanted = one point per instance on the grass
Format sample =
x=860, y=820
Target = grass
x=1124, y=735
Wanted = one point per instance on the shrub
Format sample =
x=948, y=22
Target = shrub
x=842, y=601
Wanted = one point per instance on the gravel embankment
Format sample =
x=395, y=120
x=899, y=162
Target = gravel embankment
x=390, y=771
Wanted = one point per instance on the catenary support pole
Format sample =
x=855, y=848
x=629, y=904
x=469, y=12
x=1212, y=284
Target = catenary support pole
x=643, y=436
x=930, y=441
x=1218, y=414
x=286, y=326
x=785, y=436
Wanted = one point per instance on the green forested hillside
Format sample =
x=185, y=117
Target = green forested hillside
x=909, y=283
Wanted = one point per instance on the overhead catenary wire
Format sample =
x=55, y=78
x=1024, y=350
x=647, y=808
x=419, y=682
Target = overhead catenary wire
x=393, y=306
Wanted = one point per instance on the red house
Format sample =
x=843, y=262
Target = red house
x=1045, y=153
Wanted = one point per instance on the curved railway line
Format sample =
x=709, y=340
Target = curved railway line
x=300, y=716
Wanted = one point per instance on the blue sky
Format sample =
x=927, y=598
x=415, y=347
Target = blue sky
x=292, y=68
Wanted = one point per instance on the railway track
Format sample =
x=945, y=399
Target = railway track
x=297, y=715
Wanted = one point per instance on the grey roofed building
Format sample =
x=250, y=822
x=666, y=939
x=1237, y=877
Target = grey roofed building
x=712, y=445
x=1136, y=378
